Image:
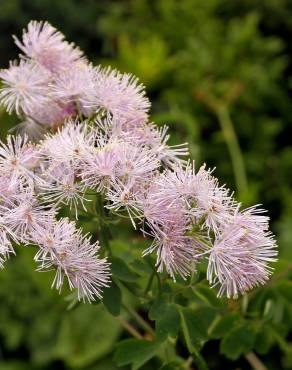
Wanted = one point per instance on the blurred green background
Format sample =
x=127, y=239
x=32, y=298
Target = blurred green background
x=212, y=68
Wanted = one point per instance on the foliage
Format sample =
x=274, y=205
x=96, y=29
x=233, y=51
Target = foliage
x=198, y=59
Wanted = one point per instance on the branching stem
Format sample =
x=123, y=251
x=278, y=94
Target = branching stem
x=130, y=329
x=254, y=361
x=139, y=319
x=231, y=140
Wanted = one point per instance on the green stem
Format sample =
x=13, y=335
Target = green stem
x=155, y=273
x=231, y=140
x=139, y=319
x=198, y=358
x=149, y=282
x=254, y=361
x=188, y=363
x=129, y=328
x=104, y=232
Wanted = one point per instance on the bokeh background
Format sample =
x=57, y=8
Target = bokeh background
x=212, y=68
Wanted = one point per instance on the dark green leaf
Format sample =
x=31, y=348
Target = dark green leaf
x=135, y=352
x=222, y=324
x=239, y=340
x=85, y=335
x=141, y=266
x=112, y=299
x=121, y=270
x=198, y=322
x=181, y=300
x=167, y=323
x=284, y=287
x=269, y=309
x=158, y=307
x=170, y=367
x=166, y=317
x=207, y=295
x=264, y=340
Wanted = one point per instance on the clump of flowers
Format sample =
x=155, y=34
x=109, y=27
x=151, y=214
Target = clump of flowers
x=87, y=128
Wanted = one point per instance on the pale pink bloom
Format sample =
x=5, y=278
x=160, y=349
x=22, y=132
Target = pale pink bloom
x=149, y=136
x=166, y=217
x=121, y=128
x=25, y=87
x=107, y=125
x=63, y=188
x=121, y=95
x=240, y=257
x=74, y=258
x=170, y=155
x=11, y=185
x=33, y=129
x=117, y=152
x=134, y=165
x=46, y=46
x=178, y=183
x=215, y=205
x=135, y=162
x=115, y=163
x=98, y=168
x=58, y=234
x=23, y=215
x=160, y=204
x=19, y=158
x=73, y=85
x=124, y=197
x=70, y=143
x=205, y=201
x=5, y=248
x=53, y=115
x=176, y=251
x=41, y=119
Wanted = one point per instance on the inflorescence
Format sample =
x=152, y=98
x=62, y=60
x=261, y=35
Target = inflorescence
x=87, y=128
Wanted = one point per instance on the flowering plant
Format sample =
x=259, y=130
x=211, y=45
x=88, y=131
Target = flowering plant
x=85, y=149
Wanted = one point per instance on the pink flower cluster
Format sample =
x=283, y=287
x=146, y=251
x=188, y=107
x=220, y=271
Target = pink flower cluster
x=91, y=131
x=28, y=216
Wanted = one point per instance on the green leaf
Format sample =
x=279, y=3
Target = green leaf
x=135, y=352
x=264, y=340
x=141, y=266
x=181, y=299
x=170, y=367
x=284, y=287
x=158, y=307
x=198, y=322
x=112, y=299
x=221, y=325
x=16, y=365
x=207, y=295
x=202, y=365
x=166, y=317
x=121, y=270
x=240, y=339
x=168, y=323
x=85, y=335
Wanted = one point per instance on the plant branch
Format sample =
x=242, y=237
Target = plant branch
x=139, y=319
x=254, y=361
x=126, y=325
x=104, y=232
x=231, y=140
x=149, y=282
x=155, y=273
x=221, y=109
